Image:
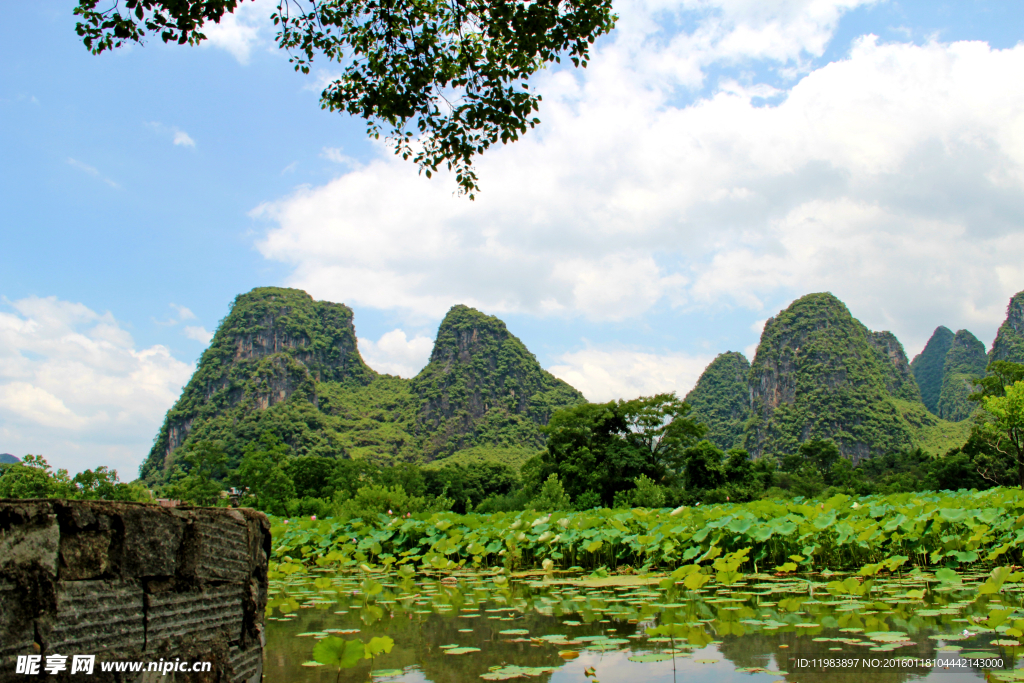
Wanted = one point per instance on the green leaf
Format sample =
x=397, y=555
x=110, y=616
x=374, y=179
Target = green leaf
x=695, y=581
x=948, y=576
x=997, y=616
x=377, y=646
x=334, y=651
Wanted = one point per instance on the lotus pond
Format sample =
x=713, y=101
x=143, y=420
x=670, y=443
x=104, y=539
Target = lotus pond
x=760, y=592
x=472, y=626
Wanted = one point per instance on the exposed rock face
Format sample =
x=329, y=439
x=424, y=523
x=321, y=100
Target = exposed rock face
x=721, y=399
x=927, y=367
x=133, y=582
x=965, y=361
x=483, y=383
x=819, y=373
x=1009, y=342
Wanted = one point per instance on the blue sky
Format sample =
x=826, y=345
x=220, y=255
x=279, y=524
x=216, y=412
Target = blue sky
x=716, y=160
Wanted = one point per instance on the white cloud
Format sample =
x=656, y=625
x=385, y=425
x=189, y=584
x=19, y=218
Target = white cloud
x=395, y=354
x=200, y=334
x=603, y=375
x=183, y=312
x=178, y=137
x=183, y=138
x=893, y=177
x=91, y=170
x=74, y=388
x=336, y=155
x=244, y=30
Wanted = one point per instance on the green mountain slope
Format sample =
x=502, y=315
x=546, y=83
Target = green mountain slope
x=721, y=399
x=819, y=373
x=1009, y=342
x=482, y=386
x=285, y=363
x=965, y=361
x=927, y=367
x=896, y=373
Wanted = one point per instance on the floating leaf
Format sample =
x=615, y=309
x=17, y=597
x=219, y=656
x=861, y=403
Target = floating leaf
x=334, y=651
x=657, y=657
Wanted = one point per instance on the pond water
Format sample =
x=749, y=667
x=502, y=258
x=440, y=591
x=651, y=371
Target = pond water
x=560, y=627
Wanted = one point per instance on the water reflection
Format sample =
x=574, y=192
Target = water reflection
x=538, y=628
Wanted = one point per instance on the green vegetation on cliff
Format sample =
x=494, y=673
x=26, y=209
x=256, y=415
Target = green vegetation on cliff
x=483, y=386
x=896, y=373
x=927, y=367
x=1009, y=342
x=965, y=361
x=721, y=399
x=819, y=373
x=284, y=364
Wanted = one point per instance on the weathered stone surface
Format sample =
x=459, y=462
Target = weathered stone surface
x=29, y=537
x=17, y=628
x=222, y=547
x=98, y=617
x=132, y=582
x=206, y=614
x=85, y=555
x=152, y=541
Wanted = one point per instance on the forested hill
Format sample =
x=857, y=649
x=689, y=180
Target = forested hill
x=281, y=362
x=927, y=367
x=720, y=400
x=1009, y=342
x=819, y=373
x=965, y=360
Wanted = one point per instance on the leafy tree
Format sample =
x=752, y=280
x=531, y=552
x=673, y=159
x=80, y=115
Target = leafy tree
x=646, y=494
x=262, y=477
x=739, y=468
x=198, y=485
x=311, y=475
x=103, y=484
x=822, y=454
x=377, y=499
x=351, y=474
x=471, y=484
x=453, y=74
x=1003, y=423
x=1000, y=374
x=702, y=467
x=658, y=425
x=31, y=478
x=603, y=447
x=845, y=476
x=588, y=500
x=552, y=496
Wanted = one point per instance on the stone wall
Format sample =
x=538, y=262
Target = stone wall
x=133, y=582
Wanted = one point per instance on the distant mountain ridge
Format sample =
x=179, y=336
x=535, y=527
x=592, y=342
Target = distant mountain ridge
x=8, y=459
x=285, y=363
x=282, y=362
x=820, y=373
